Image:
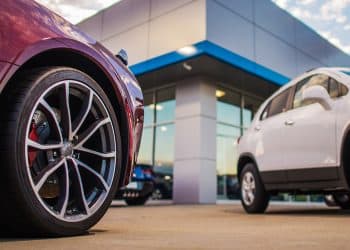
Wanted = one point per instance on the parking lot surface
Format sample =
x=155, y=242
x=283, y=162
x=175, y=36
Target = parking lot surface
x=226, y=226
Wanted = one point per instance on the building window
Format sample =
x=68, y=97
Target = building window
x=157, y=145
x=235, y=112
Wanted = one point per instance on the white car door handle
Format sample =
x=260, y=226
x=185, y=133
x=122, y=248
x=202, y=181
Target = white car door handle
x=289, y=123
x=257, y=128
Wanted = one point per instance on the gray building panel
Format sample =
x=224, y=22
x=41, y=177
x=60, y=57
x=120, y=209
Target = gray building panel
x=243, y=8
x=160, y=7
x=230, y=30
x=274, y=20
x=250, y=28
x=274, y=54
x=124, y=16
x=310, y=42
x=305, y=62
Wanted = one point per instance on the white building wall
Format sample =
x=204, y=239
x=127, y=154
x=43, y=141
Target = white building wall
x=148, y=28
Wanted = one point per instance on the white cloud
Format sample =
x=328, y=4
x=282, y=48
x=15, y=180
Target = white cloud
x=301, y=13
x=306, y=2
x=281, y=3
x=333, y=10
x=76, y=10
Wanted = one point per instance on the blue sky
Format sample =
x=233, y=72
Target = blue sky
x=330, y=18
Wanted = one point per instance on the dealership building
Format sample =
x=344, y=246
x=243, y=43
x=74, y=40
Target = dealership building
x=205, y=66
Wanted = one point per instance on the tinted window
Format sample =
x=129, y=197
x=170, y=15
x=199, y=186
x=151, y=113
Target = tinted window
x=320, y=80
x=343, y=90
x=333, y=88
x=336, y=89
x=279, y=103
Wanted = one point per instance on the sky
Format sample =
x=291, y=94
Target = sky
x=330, y=18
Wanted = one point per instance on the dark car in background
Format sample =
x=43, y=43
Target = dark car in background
x=141, y=187
x=71, y=123
x=163, y=183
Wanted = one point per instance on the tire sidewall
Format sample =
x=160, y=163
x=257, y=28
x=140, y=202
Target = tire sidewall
x=40, y=216
x=261, y=197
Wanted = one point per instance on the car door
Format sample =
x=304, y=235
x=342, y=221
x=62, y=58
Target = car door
x=309, y=144
x=268, y=138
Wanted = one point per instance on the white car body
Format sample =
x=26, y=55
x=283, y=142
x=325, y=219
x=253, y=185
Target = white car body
x=301, y=149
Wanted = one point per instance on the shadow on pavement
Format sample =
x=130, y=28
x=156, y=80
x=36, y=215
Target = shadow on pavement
x=333, y=212
x=10, y=237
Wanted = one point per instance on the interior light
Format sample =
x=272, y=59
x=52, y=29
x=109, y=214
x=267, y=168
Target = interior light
x=187, y=51
x=157, y=107
x=163, y=128
x=220, y=93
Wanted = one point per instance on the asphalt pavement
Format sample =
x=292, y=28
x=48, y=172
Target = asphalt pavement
x=160, y=225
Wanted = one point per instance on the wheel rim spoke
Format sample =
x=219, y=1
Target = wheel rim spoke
x=65, y=111
x=66, y=191
x=41, y=178
x=83, y=137
x=83, y=113
x=95, y=173
x=35, y=145
x=248, y=187
x=93, y=152
x=51, y=116
x=81, y=187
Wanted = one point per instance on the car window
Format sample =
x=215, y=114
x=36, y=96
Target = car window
x=319, y=79
x=278, y=104
x=343, y=90
x=265, y=112
x=333, y=88
x=336, y=89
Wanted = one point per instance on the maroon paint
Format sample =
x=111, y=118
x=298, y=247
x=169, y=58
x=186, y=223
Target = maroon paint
x=28, y=29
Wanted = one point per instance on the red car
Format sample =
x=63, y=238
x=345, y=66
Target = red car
x=70, y=123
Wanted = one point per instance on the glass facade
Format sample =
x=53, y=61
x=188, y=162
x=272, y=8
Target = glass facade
x=157, y=145
x=234, y=112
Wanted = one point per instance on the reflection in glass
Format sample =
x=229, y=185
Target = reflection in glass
x=165, y=107
x=149, y=109
x=226, y=152
x=145, y=153
x=251, y=106
x=234, y=114
x=228, y=108
x=164, y=145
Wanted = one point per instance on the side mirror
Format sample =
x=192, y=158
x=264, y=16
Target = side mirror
x=317, y=94
x=123, y=56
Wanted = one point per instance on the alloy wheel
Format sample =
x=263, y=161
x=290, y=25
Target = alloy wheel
x=70, y=151
x=248, y=188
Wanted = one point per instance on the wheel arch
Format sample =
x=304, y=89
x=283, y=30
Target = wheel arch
x=345, y=157
x=65, y=57
x=243, y=160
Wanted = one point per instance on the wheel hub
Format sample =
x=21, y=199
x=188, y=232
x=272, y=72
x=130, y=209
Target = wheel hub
x=67, y=149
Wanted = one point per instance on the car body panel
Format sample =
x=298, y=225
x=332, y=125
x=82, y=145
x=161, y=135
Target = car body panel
x=29, y=29
x=311, y=148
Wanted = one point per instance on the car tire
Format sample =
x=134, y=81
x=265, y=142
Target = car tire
x=51, y=185
x=140, y=201
x=158, y=194
x=342, y=200
x=330, y=201
x=254, y=197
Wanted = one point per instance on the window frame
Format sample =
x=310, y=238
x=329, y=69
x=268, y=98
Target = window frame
x=339, y=87
x=268, y=105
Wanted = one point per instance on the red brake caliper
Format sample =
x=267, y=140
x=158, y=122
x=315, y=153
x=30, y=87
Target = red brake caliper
x=34, y=137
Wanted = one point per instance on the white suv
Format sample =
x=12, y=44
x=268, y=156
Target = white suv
x=299, y=141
